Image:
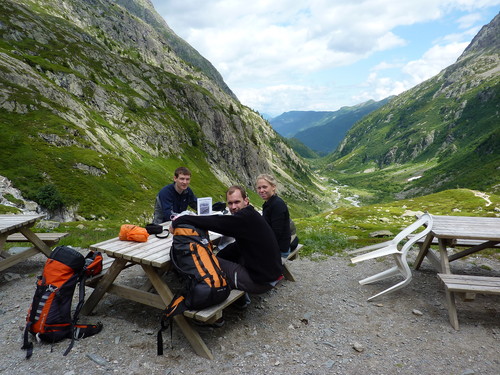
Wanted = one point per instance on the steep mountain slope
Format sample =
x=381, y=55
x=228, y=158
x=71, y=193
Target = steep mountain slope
x=100, y=101
x=325, y=138
x=443, y=133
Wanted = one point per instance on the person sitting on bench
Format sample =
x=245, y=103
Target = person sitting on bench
x=252, y=262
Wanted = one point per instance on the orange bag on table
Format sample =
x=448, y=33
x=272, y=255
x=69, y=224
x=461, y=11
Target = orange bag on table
x=130, y=232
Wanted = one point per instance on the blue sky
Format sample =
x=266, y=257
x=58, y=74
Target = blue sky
x=320, y=55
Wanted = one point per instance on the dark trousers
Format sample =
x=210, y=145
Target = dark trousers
x=239, y=278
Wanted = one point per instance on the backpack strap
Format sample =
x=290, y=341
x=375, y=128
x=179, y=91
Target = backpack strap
x=27, y=345
x=176, y=307
x=40, y=290
x=81, y=300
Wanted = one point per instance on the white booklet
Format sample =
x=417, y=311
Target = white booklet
x=205, y=206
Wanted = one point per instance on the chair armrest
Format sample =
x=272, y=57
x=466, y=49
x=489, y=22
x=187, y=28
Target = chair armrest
x=387, y=250
x=371, y=247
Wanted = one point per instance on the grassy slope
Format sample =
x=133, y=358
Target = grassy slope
x=349, y=227
x=464, y=150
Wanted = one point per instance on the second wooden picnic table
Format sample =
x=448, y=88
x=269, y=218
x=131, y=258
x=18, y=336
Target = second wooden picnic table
x=474, y=233
x=20, y=225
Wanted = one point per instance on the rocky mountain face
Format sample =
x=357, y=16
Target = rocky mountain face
x=440, y=134
x=101, y=100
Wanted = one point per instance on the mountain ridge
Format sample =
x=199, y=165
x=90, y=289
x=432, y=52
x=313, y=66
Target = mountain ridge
x=322, y=131
x=441, y=134
x=96, y=107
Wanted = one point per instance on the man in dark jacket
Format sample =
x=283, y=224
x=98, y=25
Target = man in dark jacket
x=253, y=262
x=174, y=198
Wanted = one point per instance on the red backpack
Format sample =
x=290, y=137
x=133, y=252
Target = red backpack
x=49, y=316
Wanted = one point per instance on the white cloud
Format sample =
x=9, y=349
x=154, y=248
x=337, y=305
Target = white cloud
x=269, y=51
x=433, y=61
x=468, y=20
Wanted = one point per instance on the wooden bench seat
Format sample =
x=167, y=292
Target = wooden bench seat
x=50, y=239
x=213, y=313
x=286, y=270
x=208, y=315
x=458, y=242
x=466, y=284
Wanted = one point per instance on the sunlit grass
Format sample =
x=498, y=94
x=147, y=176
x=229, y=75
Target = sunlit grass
x=347, y=228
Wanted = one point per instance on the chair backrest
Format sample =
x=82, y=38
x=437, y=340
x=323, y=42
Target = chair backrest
x=425, y=219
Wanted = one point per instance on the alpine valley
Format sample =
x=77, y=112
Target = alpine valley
x=100, y=101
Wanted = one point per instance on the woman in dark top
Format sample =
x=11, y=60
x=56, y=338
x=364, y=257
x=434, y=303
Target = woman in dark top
x=275, y=211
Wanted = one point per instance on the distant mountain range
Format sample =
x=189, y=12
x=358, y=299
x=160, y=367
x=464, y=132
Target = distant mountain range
x=322, y=131
x=442, y=134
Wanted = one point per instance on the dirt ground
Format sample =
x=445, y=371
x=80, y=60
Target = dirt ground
x=320, y=324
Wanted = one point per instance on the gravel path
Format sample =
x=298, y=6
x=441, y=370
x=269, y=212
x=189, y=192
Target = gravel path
x=320, y=324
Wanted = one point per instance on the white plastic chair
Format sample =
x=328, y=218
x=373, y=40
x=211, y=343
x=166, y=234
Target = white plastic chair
x=391, y=248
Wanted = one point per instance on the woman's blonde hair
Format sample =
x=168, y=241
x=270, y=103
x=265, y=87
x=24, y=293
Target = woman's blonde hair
x=268, y=178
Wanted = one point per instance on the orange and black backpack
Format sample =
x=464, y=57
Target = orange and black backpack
x=49, y=317
x=205, y=284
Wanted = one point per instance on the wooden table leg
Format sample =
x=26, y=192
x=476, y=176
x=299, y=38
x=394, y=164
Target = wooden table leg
x=33, y=238
x=3, y=240
x=443, y=252
x=424, y=249
x=472, y=250
x=445, y=268
x=10, y=260
x=166, y=295
x=148, y=286
x=103, y=285
x=452, y=308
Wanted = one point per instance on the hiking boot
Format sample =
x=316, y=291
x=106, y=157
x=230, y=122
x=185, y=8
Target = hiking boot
x=242, y=302
x=218, y=323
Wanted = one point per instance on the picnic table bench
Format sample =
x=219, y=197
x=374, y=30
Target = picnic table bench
x=50, y=239
x=208, y=315
x=286, y=270
x=19, y=227
x=466, y=284
x=153, y=257
x=474, y=233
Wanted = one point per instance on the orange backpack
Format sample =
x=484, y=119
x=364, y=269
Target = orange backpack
x=49, y=317
x=129, y=232
x=205, y=282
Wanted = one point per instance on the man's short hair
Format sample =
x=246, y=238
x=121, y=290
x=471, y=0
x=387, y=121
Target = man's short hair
x=182, y=170
x=234, y=188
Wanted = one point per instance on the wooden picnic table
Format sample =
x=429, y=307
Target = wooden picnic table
x=154, y=258
x=474, y=233
x=13, y=224
x=449, y=230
